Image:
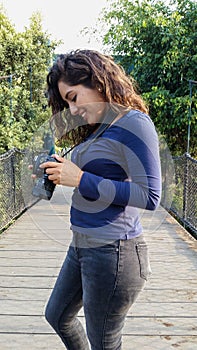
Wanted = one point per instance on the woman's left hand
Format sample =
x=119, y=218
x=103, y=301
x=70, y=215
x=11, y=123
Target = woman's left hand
x=64, y=172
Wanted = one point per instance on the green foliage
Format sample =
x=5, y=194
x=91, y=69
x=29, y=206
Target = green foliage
x=156, y=42
x=170, y=114
x=24, y=61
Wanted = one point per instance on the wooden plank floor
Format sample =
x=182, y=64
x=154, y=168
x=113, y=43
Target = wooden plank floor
x=32, y=250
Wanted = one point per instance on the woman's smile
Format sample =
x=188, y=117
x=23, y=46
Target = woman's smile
x=83, y=101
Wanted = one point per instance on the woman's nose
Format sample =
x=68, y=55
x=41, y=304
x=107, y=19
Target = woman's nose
x=74, y=109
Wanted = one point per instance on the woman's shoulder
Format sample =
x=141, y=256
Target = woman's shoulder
x=134, y=119
x=134, y=123
x=133, y=116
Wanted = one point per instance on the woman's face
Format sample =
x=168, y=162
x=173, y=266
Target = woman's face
x=83, y=101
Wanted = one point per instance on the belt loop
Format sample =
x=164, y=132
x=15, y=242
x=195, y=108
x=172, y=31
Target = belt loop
x=121, y=242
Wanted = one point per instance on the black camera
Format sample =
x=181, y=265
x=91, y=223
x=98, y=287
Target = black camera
x=44, y=187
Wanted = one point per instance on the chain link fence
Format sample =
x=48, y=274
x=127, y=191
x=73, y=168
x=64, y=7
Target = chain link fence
x=184, y=201
x=15, y=185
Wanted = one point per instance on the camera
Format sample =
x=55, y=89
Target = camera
x=44, y=187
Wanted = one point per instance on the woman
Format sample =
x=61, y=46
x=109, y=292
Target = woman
x=114, y=170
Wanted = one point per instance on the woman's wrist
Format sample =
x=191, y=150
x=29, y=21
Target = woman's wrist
x=79, y=176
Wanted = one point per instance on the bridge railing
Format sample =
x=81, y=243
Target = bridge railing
x=179, y=188
x=16, y=188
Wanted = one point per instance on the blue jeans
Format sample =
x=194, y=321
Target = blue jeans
x=106, y=281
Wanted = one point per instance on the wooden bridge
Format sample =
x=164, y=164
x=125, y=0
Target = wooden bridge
x=31, y=253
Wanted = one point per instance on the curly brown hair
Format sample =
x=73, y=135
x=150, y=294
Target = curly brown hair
x=96, y=71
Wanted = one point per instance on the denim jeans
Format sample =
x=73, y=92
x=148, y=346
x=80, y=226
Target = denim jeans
x=106, y=281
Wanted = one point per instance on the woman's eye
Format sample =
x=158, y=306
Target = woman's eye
x=74, y=98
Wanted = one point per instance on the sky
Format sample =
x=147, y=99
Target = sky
x=62, y=19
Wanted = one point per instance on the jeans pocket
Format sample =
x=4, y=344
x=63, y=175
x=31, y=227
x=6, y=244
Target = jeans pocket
x=112, y=247
x=142, y=253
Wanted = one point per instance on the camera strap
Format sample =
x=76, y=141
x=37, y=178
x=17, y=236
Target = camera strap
x=111, y=115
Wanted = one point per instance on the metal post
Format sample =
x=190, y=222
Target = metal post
x=185, y=188
x=191, y=82
x=13, y=180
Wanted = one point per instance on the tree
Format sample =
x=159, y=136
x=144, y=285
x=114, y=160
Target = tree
x=24, y=61
x=157, y=43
